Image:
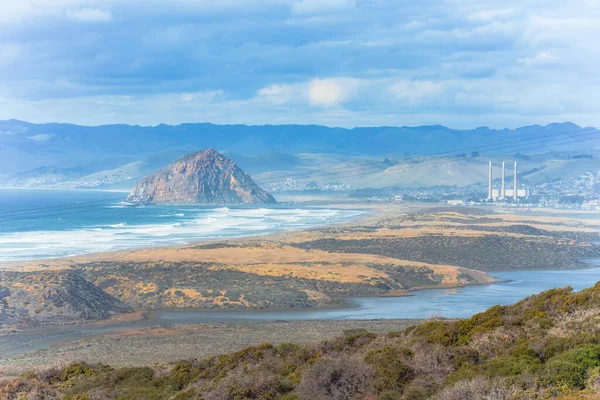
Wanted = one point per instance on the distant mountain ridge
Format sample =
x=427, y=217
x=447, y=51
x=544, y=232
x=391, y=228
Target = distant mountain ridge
x=253, y=140
x=203, y=177
x=115, y=156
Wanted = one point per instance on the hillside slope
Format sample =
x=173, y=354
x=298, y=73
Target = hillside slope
x=544, y=347
x=53, y=296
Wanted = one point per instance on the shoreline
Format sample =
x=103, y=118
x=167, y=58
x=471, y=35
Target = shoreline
x=370, y=215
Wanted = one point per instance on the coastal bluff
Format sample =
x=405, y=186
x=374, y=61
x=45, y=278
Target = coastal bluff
x=204, y=177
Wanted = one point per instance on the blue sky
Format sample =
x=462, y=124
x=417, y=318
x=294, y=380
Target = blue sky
x=333, y=62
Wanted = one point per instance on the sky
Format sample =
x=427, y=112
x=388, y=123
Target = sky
x=347, y=63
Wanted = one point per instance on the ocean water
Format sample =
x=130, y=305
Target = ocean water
x=38, y=224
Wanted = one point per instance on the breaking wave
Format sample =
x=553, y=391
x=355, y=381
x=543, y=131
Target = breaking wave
x=144, y=227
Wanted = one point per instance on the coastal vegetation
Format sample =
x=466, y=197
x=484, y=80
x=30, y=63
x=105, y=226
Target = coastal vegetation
x=546, y=346
x=486, y=252
x=467, y=238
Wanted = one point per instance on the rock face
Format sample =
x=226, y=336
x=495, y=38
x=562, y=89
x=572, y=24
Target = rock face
x=53, y=296
x=205, y=177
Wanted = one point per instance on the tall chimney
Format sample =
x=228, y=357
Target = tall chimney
x=490, y=197
x=503, y=191
x=515, y=183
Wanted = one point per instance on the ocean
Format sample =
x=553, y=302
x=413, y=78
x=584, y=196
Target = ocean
x=37, y=224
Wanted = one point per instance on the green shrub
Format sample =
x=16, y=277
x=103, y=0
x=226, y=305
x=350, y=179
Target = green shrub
x=511, y=366
x=288, y=349
x=138, y=374
x=360, y=339
x=181, y=375
x=392, y=372
x=461, y=332
x=253, y=353
x=353, y=332
x=571, y=367
x=593, y=382
x=348, y=342
x=75, y=370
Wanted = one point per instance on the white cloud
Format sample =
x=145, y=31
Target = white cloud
x=543, y=58
x=331, y=92
x=490, y=15
x=277, y=94
x=41, y=137
x=89, y=15
x=415, y=92
x=96, y=10
x=200, y=96
x=321, y=6
x=325, y=92
x=15, y=11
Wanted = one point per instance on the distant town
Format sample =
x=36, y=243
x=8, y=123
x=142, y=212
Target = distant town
x=580, y=193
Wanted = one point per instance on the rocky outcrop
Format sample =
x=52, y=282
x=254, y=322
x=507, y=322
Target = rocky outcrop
x=53, y=296
x=205, y=177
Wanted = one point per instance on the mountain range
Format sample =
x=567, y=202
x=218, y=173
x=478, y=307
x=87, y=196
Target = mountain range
x=117, y=156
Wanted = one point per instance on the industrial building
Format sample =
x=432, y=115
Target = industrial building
x=502, y=193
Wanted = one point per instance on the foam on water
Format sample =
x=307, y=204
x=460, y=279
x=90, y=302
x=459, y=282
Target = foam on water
x=116, y=227
x=119, y=225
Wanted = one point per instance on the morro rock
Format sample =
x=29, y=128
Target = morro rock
x=204, y=177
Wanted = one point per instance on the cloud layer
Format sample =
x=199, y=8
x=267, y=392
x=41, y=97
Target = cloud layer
x=462, y=63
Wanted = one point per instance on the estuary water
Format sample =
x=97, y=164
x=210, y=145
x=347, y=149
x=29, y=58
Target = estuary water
x=461, y=302
x=38, y=224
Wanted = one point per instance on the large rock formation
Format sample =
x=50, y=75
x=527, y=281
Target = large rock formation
x=205, y=177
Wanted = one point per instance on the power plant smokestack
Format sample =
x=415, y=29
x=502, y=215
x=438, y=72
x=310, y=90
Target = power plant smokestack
x=515, y=183
x=503, y=190
x=490, y=197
